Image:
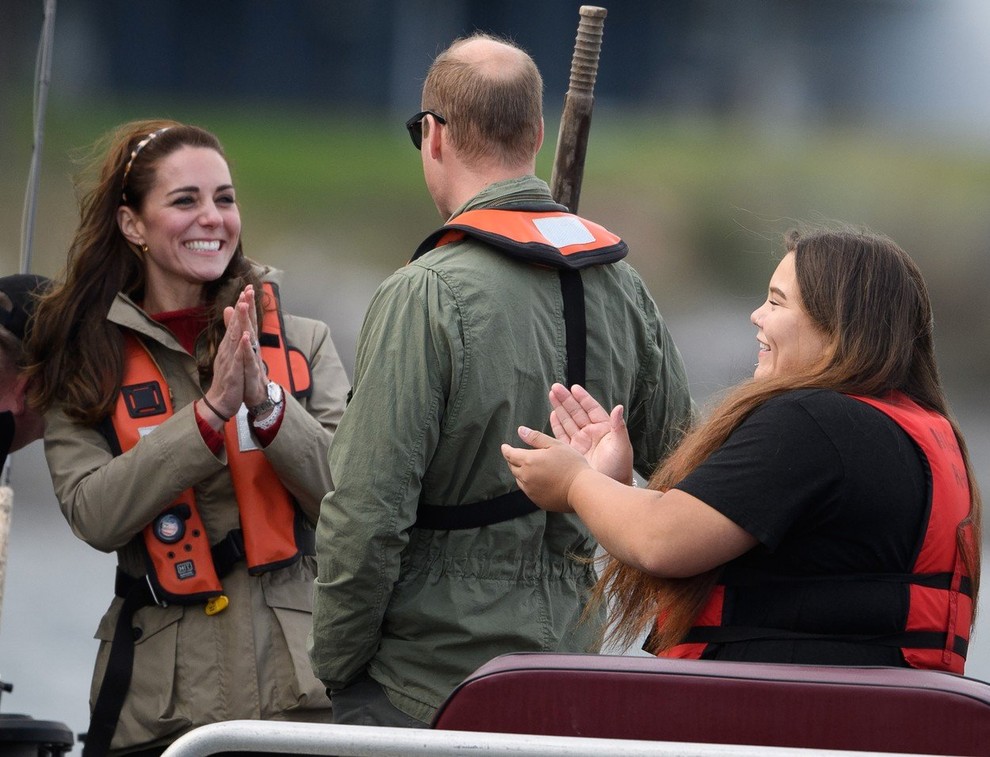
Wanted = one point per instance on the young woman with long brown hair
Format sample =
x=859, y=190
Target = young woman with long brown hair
x=188, y=423
x=826, y=512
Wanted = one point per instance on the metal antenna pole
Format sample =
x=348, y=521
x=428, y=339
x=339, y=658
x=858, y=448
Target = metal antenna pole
x=43, y=70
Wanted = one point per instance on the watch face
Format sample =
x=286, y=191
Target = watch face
x=275, y=397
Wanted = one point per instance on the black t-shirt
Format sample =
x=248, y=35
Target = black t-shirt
x=6, y=436
x=832, y=488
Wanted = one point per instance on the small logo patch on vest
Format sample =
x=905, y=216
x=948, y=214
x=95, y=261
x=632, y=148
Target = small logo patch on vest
x=185, y=569
x=169, y=528
x=143, y=399
x=563, y=231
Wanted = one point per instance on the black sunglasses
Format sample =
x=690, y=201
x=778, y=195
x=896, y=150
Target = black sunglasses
x=415, y=126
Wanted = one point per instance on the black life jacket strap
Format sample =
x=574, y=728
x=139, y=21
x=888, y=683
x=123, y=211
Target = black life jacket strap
x=750, y=578
x=904, y=639
x=117, y=679
x=575, y=325
x=511, y=505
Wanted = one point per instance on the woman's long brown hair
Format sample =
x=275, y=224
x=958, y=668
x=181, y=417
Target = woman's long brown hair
x=871, y=301
x=74, y=354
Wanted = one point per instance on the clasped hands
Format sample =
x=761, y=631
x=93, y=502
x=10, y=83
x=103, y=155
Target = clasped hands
x=585, y=437
x=239, y=373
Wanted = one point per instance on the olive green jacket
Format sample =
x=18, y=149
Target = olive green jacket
x=458, y=349
x=249, y=661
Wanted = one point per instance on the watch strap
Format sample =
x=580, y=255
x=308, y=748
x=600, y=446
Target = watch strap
x=268, y=403
x=271, y=419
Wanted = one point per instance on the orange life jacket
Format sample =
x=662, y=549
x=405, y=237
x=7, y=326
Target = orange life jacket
x=181, y=563
x=551, y=237
x=941, y=599
x=940, y=609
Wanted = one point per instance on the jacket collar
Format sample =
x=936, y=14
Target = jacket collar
x=127, y=314
x=524, y=190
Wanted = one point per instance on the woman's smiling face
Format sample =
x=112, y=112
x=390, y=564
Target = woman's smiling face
x=790, y=342
x=189, y=221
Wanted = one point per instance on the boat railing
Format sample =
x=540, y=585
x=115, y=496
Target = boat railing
x=268, y=737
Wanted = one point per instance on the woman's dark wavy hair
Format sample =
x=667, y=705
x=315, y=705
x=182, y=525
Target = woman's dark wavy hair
x=870, y=299
x=74, y=354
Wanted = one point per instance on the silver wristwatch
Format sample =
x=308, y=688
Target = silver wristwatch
x=274, y=399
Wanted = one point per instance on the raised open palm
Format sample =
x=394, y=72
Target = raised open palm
x=580, y=421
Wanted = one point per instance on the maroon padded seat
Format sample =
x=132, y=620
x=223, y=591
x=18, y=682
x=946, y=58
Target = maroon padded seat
x=805, y=706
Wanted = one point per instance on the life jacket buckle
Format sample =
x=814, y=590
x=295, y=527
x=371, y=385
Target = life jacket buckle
x=151, y=589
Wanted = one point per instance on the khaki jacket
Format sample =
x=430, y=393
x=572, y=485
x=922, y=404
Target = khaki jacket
x=250, y=660
x=457, y=350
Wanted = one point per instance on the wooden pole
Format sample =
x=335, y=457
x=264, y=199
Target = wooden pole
x=575, y=120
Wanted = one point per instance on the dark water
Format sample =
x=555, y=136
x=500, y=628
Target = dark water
x=57, y=587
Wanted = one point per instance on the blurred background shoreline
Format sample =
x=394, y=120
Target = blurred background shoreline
x=718, y=125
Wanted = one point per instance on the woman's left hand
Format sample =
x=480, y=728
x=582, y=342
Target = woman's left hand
x=227, y=389
x=242, y=319
x=578, y=419
x=546, y=472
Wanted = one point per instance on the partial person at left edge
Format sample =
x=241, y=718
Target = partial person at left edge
x=19, y=424
x=188, y=419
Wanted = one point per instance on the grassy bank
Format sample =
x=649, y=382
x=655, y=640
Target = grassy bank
x=700, y=202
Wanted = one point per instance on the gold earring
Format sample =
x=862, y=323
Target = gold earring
x=144, y=249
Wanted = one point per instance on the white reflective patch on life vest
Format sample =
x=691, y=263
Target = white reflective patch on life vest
x=145, y=430
x=562, y=231
x=245, y=442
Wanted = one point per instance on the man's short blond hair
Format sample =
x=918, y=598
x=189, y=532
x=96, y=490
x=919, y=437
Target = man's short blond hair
x=493, y=105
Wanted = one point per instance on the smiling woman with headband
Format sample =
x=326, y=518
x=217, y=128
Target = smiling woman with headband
x=187, y=430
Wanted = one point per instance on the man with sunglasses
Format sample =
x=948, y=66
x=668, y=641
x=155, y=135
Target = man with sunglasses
x=431, y=562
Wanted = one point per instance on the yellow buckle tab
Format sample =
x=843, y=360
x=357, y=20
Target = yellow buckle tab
x=217, y=604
